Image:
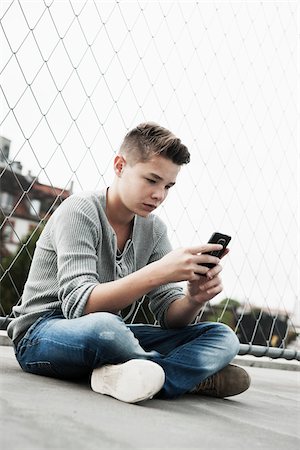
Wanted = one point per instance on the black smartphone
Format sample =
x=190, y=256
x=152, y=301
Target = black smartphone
x=217, y=238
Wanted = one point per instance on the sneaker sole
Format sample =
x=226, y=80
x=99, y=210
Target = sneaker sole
x=131, y=382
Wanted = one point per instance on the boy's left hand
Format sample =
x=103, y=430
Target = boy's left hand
x=208, y=286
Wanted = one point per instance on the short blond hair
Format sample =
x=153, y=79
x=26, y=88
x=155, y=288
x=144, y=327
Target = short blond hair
x=149, y=139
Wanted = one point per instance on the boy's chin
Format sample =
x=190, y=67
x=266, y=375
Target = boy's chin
x=143, y=214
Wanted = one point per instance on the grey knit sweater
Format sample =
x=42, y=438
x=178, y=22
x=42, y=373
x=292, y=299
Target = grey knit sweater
x=77, y=250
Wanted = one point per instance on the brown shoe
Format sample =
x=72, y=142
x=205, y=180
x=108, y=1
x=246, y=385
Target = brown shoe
x=231, y=380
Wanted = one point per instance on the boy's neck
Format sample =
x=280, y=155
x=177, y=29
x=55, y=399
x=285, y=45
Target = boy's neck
x=117, y=214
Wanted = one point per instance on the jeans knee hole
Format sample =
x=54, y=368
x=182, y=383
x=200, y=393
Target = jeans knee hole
x=107, y=335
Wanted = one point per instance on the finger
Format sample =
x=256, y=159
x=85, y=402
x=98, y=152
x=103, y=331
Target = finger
x=227, y=250
x=216, y=290
x=211, y=284
x=195, y=277
x=204, y=248
x=206, y=258
x=214, y=271
x=200, y=270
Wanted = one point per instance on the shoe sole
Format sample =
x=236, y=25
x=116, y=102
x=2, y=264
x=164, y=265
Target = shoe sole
x=131, y=382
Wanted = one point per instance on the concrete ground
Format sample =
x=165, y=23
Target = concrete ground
x=44, y=413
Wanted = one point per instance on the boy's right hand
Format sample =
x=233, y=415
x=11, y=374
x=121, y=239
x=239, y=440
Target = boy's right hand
x=185, y=264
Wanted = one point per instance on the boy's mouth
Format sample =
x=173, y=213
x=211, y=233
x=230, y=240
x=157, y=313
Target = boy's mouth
x=149, y=207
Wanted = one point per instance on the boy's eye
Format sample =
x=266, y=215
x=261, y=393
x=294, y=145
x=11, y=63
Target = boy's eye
x=154, y=182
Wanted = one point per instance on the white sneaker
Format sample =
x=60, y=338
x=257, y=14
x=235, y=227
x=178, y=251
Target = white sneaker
x=131, y=382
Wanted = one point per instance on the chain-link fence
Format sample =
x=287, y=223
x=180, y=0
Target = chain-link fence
x=76, y=75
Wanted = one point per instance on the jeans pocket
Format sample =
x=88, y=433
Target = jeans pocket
x=44, y=368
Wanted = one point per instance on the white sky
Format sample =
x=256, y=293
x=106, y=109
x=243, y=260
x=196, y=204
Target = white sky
x=76, y=76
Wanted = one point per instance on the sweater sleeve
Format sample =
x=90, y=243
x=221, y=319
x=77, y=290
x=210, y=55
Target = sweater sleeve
x=75, y=236
x=160, y=298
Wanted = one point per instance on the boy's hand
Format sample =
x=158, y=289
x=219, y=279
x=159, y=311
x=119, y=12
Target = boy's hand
x=185, y=264
x=207, y=287
x=200, y=291
x=202, y=286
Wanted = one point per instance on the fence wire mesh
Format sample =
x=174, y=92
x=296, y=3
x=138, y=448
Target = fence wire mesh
x=76, y=75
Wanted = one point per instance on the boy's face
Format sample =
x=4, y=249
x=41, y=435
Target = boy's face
x=143, y=186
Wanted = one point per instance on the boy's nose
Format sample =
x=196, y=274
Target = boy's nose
x=158, y=194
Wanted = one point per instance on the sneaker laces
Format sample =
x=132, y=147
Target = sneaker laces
x=207, y=385
x=231, y=380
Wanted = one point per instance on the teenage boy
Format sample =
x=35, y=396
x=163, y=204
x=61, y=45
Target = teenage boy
x=98, y=254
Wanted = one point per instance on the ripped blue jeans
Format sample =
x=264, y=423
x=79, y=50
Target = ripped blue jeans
x=72, y=348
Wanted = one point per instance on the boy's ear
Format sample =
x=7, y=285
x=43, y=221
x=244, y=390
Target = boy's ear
x=119, y=164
